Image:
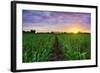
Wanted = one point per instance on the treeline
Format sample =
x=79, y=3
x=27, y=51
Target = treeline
x=34, y=31
x=31, y=31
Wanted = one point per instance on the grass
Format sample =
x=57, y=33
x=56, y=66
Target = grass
x=37, y=47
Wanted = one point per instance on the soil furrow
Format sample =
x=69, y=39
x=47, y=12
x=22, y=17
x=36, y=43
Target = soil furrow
x=56, y=54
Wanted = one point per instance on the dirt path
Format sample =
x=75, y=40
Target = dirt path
x=57, y=54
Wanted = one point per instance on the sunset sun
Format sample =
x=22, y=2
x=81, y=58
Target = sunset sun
x=75, y=32
x=74, y=28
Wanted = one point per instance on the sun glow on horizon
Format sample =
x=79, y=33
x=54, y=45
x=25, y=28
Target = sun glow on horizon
x=75, y=28
x=69, y=28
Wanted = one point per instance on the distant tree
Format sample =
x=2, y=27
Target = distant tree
x=24, y=31
x=33, y=31
x=52, y=32
x=79, y=32
x=64, y=32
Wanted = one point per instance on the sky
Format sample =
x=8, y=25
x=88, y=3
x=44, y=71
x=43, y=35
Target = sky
x=52, y=21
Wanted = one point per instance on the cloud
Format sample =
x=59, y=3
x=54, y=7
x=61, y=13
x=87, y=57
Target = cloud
x=34, y=18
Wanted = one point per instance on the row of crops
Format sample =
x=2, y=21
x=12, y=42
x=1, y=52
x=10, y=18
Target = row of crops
x=38, y=47
x=76, y=46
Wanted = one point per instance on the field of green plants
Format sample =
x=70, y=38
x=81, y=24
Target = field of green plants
x=76, y=46
x=37, y=47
